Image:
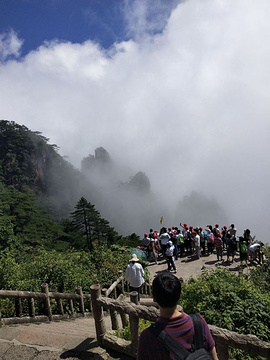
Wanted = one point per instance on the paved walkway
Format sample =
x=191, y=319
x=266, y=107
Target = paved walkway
x=70, y=339
x=191, y=266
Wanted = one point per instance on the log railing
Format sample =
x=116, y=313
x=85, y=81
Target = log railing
x=223, y=338
x=119, y=287
x=45, y=296
x=123, y=290
x=123, y=287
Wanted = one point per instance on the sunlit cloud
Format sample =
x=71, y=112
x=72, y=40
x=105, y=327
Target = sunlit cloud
x=10, y=45
x=188, y=103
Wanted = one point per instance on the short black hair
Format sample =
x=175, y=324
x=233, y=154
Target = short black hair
x=166, y=290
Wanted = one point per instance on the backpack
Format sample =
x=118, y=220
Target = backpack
x=180, y=353
x=243, y=247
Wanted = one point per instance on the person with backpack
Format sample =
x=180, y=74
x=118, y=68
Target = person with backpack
x=181, y=333
x=231, y=247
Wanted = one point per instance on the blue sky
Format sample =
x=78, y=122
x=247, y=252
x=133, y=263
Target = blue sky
x=177, y=89
x=102, y=21
x=76, y=21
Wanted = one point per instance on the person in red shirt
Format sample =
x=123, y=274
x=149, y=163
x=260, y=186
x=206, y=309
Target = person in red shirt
x=218, y=245
x=166, y=292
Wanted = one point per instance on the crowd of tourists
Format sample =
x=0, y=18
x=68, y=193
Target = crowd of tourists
x=177, y=334
x=190, y=241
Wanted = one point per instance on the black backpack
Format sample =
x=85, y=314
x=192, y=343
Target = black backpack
x=180, y=353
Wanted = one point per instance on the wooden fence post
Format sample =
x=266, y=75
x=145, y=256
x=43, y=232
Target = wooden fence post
x=104, y=292
x=31, y=307
x=81, y=303
x=149, y=289
x=222, y=351
x=60, y=308
x=120, y=274
x=47, y=303
x=18, y=307
x=71, y=307
x=124, y=319
x=134, y=322
x=90, y=304
x=98, y=312
x=113, y=313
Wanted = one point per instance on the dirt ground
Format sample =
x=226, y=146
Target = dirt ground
x=191, y=266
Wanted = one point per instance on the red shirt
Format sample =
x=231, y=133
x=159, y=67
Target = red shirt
x=181, y=329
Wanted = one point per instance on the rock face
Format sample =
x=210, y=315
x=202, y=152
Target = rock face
x=28, y=161
x=101, y=157
x=125, y=199
x=139, y=183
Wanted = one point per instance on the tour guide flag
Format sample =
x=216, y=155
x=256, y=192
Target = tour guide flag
x=161, y=219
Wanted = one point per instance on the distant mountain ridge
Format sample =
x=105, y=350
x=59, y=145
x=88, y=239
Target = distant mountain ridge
x=28, y=160
x=124, y=199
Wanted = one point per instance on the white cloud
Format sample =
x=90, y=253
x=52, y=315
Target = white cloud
x=146, y=17
x=10, y=45
x=189, y=106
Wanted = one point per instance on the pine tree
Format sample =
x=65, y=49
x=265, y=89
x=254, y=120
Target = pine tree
x=89, y=224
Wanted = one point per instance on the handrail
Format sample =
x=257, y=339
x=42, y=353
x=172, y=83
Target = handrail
x=223, y=337
x=96, y=303
x=146, y=288
x=45, y=296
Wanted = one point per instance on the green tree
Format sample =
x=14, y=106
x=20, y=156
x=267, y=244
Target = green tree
x=21, y=222
x=19, y=148
x=88, y=224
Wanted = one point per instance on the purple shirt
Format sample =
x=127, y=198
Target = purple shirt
x=181, y=329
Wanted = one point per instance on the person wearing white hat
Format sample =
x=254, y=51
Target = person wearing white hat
x=134, y=274
x=170, y=257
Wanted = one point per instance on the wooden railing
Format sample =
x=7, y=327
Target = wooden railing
x=45, y=296
x=84, y=308
x=129, y=312
x=123, y=288
x=223, y=338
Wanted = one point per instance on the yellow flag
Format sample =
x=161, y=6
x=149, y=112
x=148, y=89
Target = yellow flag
x=161, y=219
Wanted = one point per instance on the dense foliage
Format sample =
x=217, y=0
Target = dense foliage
x=22, y=223
x=62, y=271
x=260, y=276
x=19, y=164
x=229, y=301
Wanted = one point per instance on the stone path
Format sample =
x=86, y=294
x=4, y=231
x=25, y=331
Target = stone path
x=71, y=339
x=190, y=266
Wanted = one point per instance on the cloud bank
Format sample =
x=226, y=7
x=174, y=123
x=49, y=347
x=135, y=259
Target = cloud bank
x=189, y=105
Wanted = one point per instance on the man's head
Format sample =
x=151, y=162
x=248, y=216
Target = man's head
x=166, y=290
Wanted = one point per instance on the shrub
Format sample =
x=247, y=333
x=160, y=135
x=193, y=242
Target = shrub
x=229, y=301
